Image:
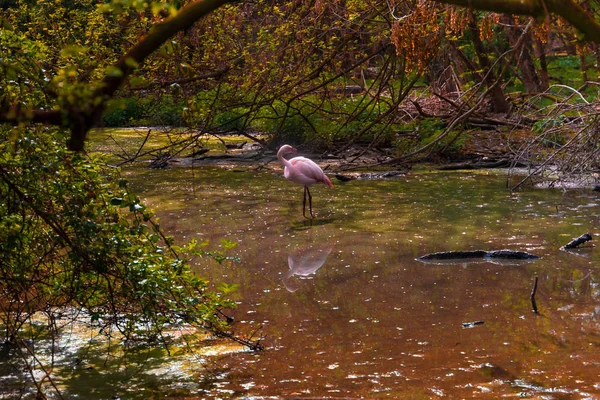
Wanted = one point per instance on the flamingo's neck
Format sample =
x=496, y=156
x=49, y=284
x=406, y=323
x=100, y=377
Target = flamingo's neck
x=282, y=159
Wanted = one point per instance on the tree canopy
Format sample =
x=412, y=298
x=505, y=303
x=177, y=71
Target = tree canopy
x=265, y=64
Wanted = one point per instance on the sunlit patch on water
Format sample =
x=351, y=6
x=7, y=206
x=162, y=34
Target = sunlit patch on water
x=81, y=362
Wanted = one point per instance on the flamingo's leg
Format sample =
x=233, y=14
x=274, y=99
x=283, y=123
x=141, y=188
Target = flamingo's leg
x=310, y=202
x=304, y=202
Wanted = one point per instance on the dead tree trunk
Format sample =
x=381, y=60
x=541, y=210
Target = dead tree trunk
x=497, y=98
x=540, y=53
x=527, y=70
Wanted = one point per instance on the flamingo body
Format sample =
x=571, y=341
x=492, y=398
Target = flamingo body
x=302, y=171
x=305, y=172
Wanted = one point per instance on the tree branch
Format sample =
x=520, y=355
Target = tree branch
x=158, y=35
x=80, y=121
x=211, y=75
x=520, y=7
x=573, y=13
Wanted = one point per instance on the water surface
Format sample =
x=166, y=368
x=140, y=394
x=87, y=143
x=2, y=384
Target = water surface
x=344, y=308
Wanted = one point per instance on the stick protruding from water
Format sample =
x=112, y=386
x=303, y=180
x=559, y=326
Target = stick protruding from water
x=533, y=292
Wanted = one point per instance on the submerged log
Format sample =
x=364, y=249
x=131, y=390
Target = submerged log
x=344, y=178
x=503, y=254
x=448, y=255
x=510, y=254
x=577, y=241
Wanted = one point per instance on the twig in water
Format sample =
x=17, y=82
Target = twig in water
x=533, y=291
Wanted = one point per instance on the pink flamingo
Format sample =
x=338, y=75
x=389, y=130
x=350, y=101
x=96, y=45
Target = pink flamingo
x=302, y=171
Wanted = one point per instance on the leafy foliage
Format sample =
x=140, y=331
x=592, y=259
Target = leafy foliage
x=151, y=111
x=123, y=112
x=72, y=234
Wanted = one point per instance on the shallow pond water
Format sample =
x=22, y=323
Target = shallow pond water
x=345, y=309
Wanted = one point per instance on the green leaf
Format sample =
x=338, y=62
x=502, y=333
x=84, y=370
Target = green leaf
x=73, y=50
x=137, y=81
x=228, y=288
x=157, y=7
x=228, y=244
x=105, y=8
x=114, y=72
x=130, y=62
x=4, y=24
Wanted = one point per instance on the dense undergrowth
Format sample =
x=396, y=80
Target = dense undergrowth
x=353, y=118
x=73, y=236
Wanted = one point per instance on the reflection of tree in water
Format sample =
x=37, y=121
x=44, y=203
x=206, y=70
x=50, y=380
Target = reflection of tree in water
x=575, y=284
x=304, y=261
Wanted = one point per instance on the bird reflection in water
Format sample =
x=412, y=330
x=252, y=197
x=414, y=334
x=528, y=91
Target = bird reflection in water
x=305, y=261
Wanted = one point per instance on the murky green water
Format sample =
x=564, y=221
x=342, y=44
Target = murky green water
x=347, y=311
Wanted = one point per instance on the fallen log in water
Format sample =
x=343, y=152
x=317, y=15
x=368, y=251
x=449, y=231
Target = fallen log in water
x=483, y=164
x=235, y=146
x=510, y=254
x=448, y=255
x=370, y=176
x=198, y=153
x=577, y=241
x=502, y=254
